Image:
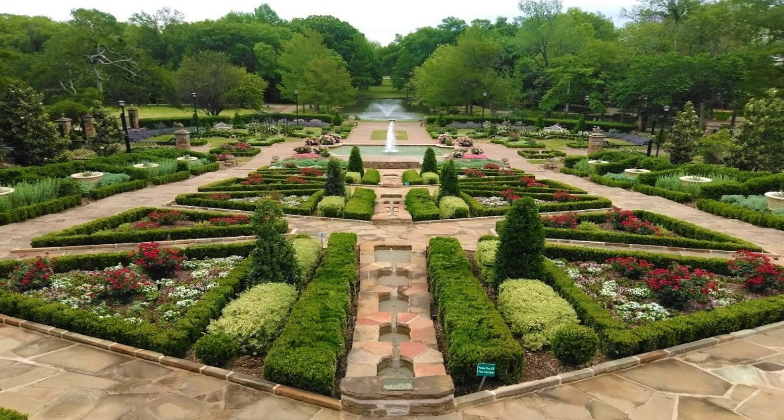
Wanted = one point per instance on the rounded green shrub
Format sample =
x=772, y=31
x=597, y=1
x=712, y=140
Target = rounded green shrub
x=453, y=208
x=215, y=349
x=429, y=178
x=331, y=206
x=353, y=177
x=575, y=345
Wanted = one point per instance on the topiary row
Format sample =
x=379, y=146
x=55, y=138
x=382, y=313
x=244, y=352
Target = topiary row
x=421, y=206
x=361, y=205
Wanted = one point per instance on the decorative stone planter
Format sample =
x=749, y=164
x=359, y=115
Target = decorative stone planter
x=5, y=191
x=691, y=179
x=186, y=158
x=634, y=172
x=93, y=178
x=775, y=200
x=597, y=162
x=147, y=166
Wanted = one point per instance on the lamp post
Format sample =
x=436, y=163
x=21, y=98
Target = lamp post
x=666, y=113
x=195, y=112
x=484, y=105
x=296, y=100
x=125, y=127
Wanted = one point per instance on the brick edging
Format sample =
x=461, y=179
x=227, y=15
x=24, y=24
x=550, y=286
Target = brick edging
x=483, y=397
x=174, y=362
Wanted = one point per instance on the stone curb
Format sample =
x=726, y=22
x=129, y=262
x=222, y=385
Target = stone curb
x=174, y=362
x=483, y=397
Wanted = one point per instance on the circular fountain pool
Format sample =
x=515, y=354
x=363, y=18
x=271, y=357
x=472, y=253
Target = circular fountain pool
x=379, y=151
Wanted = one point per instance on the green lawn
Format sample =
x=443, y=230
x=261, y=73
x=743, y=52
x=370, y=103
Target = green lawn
x=386, y=90
x=166, y=111
x=382, y=135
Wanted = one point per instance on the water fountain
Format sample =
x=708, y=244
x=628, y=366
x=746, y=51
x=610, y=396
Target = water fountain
x=391, y=146
x=386, y=109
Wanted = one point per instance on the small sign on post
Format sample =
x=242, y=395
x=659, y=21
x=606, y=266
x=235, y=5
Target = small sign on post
x=485, y=370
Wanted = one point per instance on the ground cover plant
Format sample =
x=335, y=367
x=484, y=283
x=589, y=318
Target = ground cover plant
x=297, y=201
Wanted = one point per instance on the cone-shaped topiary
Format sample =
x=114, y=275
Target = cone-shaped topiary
x=337, y=120
x=429, y=163
x=449, y=184
x=274, y=260
x=355, y=162
x=580, y=126
x=539, y=124
x=336, y=184
x=686, y=131
x=519, y=254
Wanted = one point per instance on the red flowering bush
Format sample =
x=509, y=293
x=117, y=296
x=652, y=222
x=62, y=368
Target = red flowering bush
x=157, y=262
x=31, y=274
x=757, y=270
x=165, y=218
x=239, y=219
x=218, y=196
x=565, y=220
x=491, y=166
x=630, y=267
x=146, y=225
x=509, y=195
x=225, y=156
x=677, y=287
x=253, y=179
x=236, y=147
x=626, y=221
x=473, y=173
x=529, y=182
x=563, y=196
x=121, y=282
x=311, y=172
x=294, y=180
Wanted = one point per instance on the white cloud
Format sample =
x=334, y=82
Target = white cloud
x=379, y=21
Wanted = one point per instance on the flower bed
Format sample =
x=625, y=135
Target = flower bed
x=545, y=202
x=479, y=179
x=702, y=297
x=292, y=200
x=638, y=227
x=734, y=211
x=157, y=299
x=236, y=149
x=145, y=224
x=267, y=180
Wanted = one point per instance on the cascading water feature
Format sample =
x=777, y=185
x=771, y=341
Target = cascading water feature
x=396, y=305
x=391, y=145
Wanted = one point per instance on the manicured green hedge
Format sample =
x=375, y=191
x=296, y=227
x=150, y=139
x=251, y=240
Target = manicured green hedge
x=268, y=142
x=201, y=200
x=244, y=119
x=371, y=177
x=173, y=341
x=412, y=177
x=240, y=153
x=535, y=154
x=566, y=123
x=615, y=183
x=361, y=205
x=477, y=209
x=56, y=205
x=312, y=345
x=421, y=206
x=233, y=184
x=737, y=212
x=99, y=231
x=474, y=331
x=203, y=169
x=109, y=190
x=621, y=341
x=676, y=196
x=165, y=179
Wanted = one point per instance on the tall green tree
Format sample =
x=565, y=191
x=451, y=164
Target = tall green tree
x=685, y=132
x=336, y=183
x=759, y=146
x=25, y=127
x=218, y=84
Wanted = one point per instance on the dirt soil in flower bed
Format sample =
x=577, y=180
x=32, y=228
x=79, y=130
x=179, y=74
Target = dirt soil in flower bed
x=248, y=365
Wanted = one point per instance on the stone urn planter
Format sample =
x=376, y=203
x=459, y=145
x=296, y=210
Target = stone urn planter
x=145, y=165
x=88, y=177
x=693, y=179
x=632, y=173
x=187, y=158
x=5, y=191
x=775, y=200
x=597, y=162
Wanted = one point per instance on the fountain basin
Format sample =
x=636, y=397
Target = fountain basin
x=402, y=335
x=404, y=150
x=393, y=304
x=387, y=369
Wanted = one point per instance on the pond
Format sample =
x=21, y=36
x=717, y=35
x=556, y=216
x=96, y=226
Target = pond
x=367, y=109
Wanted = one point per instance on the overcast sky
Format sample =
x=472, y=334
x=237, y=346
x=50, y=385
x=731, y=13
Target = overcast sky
x=378, y=20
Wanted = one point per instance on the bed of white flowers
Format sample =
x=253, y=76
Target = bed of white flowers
x=155, y=301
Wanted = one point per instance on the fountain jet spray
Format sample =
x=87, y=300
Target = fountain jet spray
x=391, y=140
